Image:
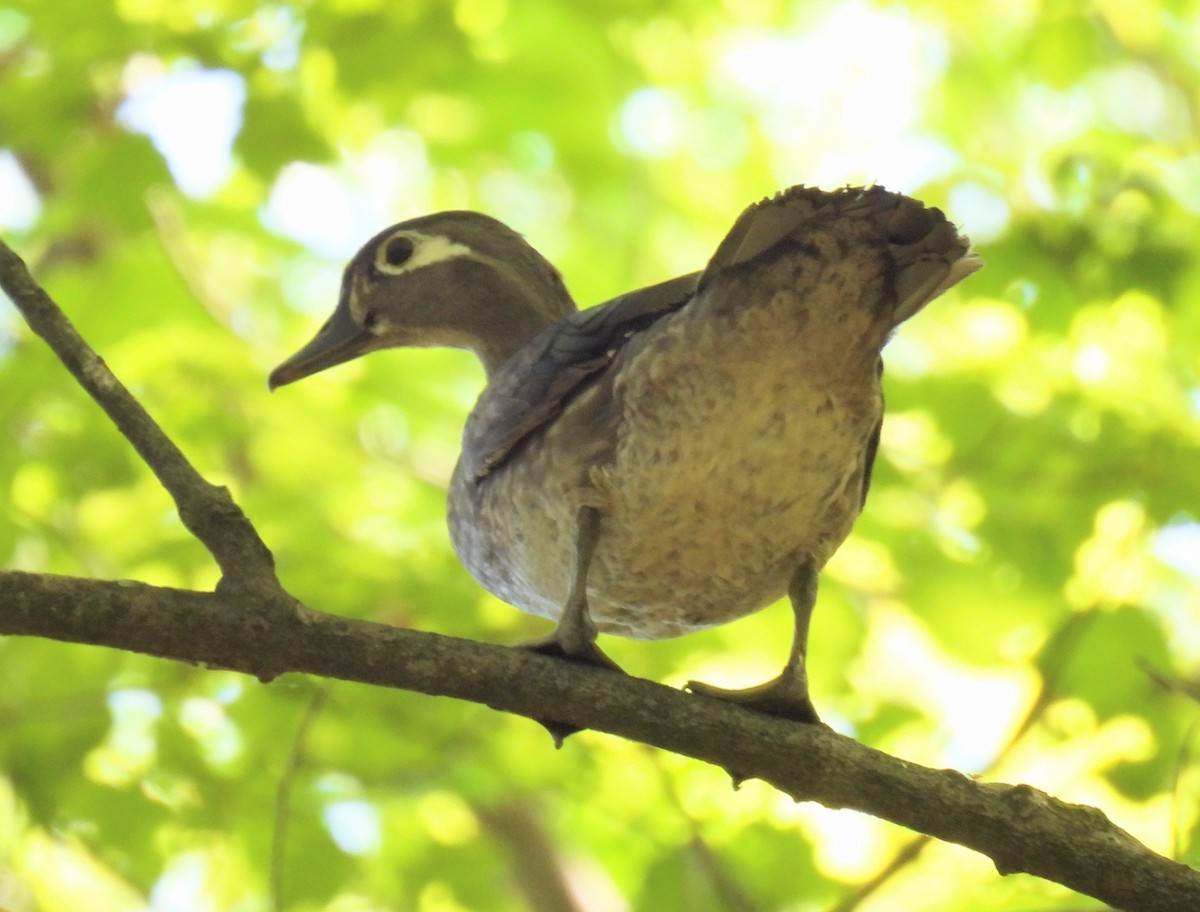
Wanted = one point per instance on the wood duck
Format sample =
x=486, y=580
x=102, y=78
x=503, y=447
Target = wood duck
x=679, y=456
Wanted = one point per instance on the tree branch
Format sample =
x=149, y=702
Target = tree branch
x=1020, y=828
x=537, y=866
x=207, y=510
x=251, y=624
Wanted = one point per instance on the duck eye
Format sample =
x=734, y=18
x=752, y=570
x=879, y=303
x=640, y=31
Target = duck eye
x=396, y=251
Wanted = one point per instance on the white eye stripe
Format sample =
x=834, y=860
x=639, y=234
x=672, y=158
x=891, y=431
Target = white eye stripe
x=428, y=250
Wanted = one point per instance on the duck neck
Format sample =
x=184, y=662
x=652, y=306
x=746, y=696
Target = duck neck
x=497, y=345
x=520, y=305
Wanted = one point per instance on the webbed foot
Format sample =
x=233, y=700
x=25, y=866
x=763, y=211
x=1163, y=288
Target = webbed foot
x=785, y=697
x=585, y=652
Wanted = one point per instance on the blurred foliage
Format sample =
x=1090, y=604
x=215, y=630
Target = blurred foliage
x=1021, y=599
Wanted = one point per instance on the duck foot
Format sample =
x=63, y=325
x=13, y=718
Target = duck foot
x=586, y=653
x=785, y=697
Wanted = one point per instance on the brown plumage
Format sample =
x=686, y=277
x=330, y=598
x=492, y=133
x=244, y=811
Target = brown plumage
x=682, y=455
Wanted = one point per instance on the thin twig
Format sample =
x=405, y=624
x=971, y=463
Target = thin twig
x=1182, y=762
x=168, y=220
x=283, y=795
x=1055, y=655
x=733, y=897
x=537, y=865
x=1170, y=683
x=207, y=510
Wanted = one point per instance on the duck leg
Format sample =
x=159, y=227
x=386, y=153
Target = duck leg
x=787, y=695
x=575, y=636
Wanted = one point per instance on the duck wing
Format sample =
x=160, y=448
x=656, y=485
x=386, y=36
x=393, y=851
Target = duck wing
x=928, y=253
x=532, y=389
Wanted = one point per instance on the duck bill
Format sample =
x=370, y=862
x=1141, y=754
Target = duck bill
x=339, y=340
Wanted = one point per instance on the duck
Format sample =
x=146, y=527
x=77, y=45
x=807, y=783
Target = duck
x=682, y=455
